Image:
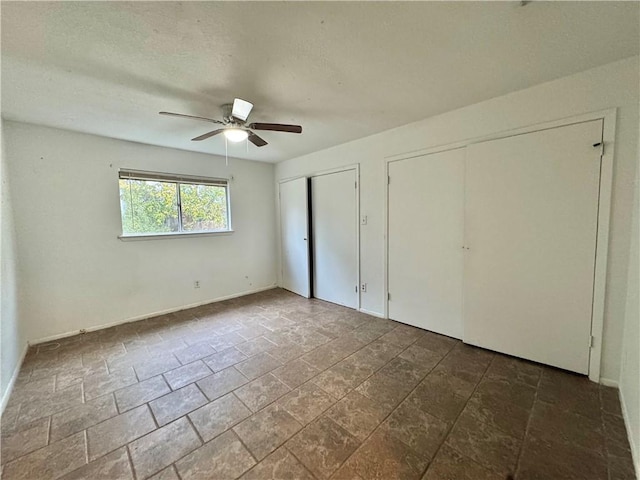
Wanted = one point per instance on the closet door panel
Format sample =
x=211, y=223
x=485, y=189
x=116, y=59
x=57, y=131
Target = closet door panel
x=294, y=230
x=426, y=211
x=531, y=206
x=334, y=221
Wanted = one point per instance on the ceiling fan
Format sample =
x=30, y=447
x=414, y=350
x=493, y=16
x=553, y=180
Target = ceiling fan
x=234, y=126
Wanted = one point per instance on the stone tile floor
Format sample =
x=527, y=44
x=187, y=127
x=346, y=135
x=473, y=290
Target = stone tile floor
x=274, y=386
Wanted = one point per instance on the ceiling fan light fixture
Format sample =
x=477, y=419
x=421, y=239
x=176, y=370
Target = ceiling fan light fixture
x=235, y=134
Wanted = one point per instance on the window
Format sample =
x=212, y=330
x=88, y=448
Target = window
x=166, y=204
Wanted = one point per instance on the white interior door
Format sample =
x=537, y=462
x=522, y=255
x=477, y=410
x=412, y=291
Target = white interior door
x=294, y=230
x=426, y=212
x=334, y=220
x=530, y=224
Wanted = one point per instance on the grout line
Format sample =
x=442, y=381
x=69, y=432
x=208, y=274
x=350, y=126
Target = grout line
x=395, y=408
x=202, y=442
x=526, y=430
x=133, y=470
x=86, y=446
x=455, y=420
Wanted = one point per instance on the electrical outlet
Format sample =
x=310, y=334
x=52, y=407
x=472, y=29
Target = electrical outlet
x=196, y=284
x=363, y=287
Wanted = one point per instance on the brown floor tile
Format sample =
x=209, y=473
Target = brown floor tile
x=258, y=365
x=118, y=431
x=403, y=335
x=224, y=359
x=407, y=372
x=485, y=444
x=343, y=377
x=306, y=402
x=417, y=429
x=383, y=457
x=514, y=369
x=322, y=446
x=408, y=394
x=53, y=461
x=570, y=392
x=218, y=416
x=385, y=390
x=194, y=352
x=507, y=391
x=357, y=414
x=266, y=430
x=421, y=356
x=610, y=400
x=168, y=473
x=280, y=465
x=541, y=459
x=548, y=422
x=450, y=465
x=110, y=467
x=295, y=373
x=82, y=416
x=33, y=408
x=256, y=345
x=221, y=459
x=162, y=447
x=98, y=385
x=221, y=383
x=176, y=404
x=505, y=416
x=436, y=343
x=140, y=393
x=261, y=392
x=20, y=443
x=187, y=374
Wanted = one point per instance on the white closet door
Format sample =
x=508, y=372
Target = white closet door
x=426, y=211
x=530, y=224
x=294, y=228
x=334, y=221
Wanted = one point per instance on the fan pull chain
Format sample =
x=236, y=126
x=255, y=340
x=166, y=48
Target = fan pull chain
x=226, y=152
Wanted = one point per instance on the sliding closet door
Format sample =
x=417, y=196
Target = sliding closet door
x=334, y=221
x=426, y=212
x=294, y=229
x=531, y=211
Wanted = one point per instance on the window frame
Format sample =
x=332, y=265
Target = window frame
x=178, y=180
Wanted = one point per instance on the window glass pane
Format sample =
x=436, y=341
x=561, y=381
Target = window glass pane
x=148, y=207
x=204, y=208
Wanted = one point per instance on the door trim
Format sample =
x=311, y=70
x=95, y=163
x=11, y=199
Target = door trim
x=604, y=212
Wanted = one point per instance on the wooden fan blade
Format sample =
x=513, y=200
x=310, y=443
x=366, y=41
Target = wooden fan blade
x=241, y=109
x=276, y=127
x=207, y=135
x=190, y=116
x=256, y=140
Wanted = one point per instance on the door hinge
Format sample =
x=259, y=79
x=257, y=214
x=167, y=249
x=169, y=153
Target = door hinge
x=356, y=184
x=356, y=288
x=592, y=341
x=389, y=296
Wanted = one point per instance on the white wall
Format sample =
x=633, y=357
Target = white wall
x=612, y=85
x=12, y=332
x=75, y=273
x=630, y=369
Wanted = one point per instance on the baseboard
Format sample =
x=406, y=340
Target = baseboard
x=607, y=382
x=148, y=315
x=634, y=448
x=12, y=382
x=373, y=314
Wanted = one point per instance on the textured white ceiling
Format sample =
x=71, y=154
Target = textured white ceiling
x=342, y=70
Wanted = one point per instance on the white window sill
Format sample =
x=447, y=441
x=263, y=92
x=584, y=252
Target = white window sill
x=156, y=236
